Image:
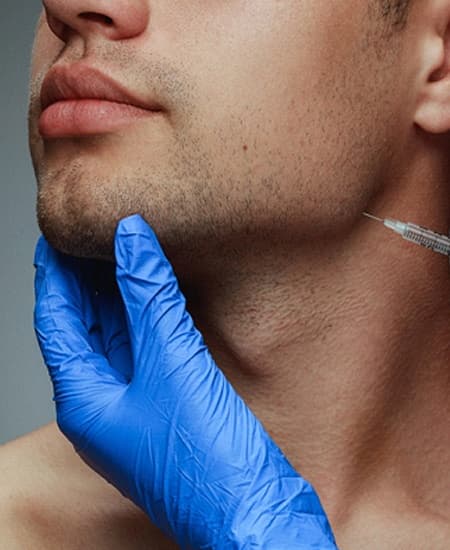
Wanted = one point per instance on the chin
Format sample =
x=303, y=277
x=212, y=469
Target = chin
x=79, y=242
x=78, y=212
x=79, y=234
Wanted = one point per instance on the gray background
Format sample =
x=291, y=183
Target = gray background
x=25, y=390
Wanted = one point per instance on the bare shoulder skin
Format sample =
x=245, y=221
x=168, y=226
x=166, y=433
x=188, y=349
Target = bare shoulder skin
x=49, y=499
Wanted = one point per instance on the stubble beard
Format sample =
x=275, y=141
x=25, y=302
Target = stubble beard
x=78, y=211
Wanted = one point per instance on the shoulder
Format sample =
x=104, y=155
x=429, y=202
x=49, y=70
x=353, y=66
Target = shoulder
x=50, y=499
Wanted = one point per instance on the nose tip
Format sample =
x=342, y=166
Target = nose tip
x=115, y=20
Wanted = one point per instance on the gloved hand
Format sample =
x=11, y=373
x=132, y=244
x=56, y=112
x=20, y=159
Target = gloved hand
x=143, y=402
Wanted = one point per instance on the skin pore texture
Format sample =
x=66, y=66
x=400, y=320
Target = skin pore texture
x=281, y=123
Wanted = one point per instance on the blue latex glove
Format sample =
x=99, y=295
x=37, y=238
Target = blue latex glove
x=143, y=402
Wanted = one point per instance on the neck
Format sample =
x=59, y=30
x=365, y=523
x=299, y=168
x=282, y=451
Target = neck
x=341, y=349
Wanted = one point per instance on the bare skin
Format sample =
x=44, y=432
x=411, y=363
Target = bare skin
x=282, y=123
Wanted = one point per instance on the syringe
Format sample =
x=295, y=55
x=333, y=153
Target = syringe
x=416, y=234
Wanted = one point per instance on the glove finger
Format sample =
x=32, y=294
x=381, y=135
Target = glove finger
x=212, y=421
x=114, y=332
x=158, y=322
x=105, y=316
x=60, y=323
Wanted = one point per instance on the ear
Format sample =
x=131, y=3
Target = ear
x=433, y=107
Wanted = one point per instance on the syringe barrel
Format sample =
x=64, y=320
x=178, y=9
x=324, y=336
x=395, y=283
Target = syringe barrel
x=428, y=239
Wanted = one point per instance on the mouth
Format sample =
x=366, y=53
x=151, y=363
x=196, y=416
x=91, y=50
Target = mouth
x=78, y=100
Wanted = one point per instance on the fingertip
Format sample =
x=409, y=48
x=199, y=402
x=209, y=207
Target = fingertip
x=132, y=224
x=40, y=263
x=135, y=239
x=56, y=275
x=46, y=256
x=40, y=253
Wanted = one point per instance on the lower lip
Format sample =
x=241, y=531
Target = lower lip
x=87, y=117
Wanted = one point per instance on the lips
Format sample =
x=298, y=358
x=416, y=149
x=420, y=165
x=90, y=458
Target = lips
x=79, y=100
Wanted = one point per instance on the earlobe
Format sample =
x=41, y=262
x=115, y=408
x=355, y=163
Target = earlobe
x=433, y=108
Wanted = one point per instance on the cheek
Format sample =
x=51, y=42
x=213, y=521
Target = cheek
x=45, y=48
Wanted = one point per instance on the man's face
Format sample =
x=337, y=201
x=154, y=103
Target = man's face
x=277, y=121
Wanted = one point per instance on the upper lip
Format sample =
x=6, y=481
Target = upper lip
x=79, y=81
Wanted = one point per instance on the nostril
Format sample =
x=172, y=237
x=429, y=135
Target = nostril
x=97, y=18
